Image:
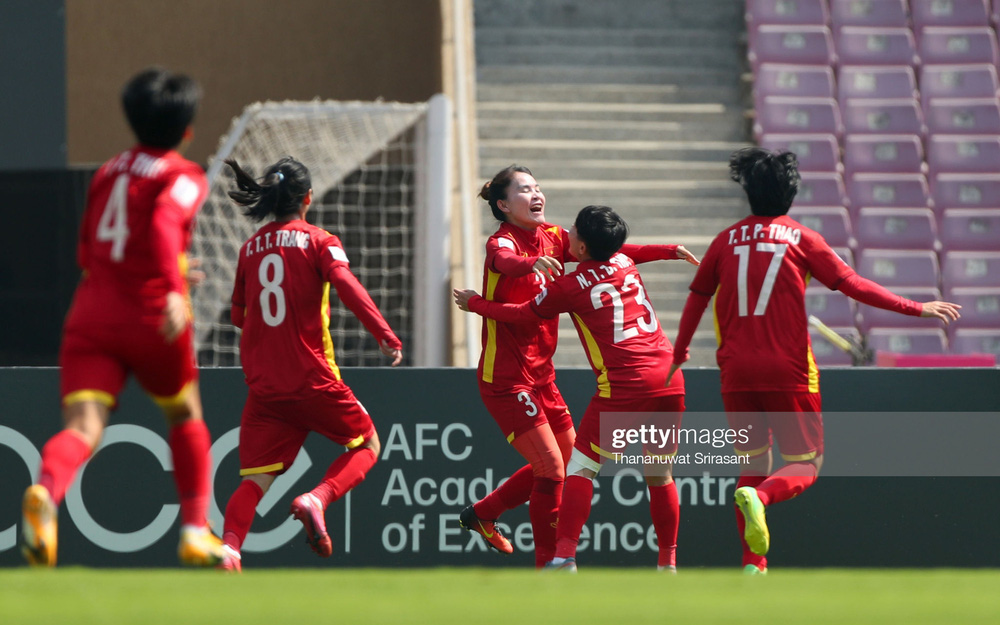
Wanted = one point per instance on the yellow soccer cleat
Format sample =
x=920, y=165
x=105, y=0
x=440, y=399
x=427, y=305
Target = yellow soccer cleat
x=199, y=547
x=755, y=533
x=39, y=528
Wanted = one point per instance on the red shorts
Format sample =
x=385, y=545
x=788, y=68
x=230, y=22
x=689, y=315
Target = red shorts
x=793, y=418
x=520, y=409
x=95, y=360
x=668, y=409
x=272, y=431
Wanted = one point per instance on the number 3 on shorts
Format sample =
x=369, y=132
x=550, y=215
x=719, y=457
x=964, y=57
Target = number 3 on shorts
x=530, y=408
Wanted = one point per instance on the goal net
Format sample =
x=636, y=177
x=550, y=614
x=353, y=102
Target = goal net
x=370, y=169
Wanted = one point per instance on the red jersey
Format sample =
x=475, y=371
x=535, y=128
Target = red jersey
x=616, y=323
x=281, y=299
x=135, y=229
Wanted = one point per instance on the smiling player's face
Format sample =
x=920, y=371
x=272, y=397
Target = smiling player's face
x=525, y=202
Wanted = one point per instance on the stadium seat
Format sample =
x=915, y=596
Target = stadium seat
x=897, y=154
x=900, y=268
x=901, y=190
x=949, y=13
x=970, y=269
x=876, y=46
x=908, y=340
x=826, y=354
x=896, y=229
x=787, y=12
x=806, y=45
x=814, y=152
x=957, y=81
x=890, y=116
x=957, y=46
x=877, y=13
x=963, y=153
x=832, y=222
x=798, y=81
x=864, y=81
x=798, y=115
x=871, y=317
x=820, y=189
x=980, y=306
x=845, y=255
x=965, y=191
x=831, y=307
x=975, y=341
x=970, y=229
x=963, y=115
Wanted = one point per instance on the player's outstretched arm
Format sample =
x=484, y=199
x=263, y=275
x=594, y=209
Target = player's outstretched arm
x=684, y=254
x=945, y=311
x=462, y=297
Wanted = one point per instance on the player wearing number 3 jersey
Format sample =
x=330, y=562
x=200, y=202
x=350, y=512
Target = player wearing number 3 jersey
x=281, y=300
x=757, y=270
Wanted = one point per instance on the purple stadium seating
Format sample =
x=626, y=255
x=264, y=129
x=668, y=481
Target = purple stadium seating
x=965, y=191
x=828, y=355
x=845, y=255
x=876, y=46
x=975, y=269
x=900, y=268
x=957, y=46
x=831, y=307
x=963, y=153
x=821, y=189
x=871, y=317
x=787, y=12
x=901, y=190
x=891, y=116
x=815, y=152
x=908, y=340
x=896, y=228
x=871, y=81
x=871, y=13
x=798, y=115
x=798, y=81
x=832, y=222
x=980, y=306
x=963, y=115
x=806, y=45
x=957, y=81
x=970, y=229
x=884, y=154
x=975, y=341
x=949, y=13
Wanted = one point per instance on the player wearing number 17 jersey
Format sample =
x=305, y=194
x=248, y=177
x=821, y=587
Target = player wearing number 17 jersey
x=758, y=270
x=630, y=357
x=281, y=300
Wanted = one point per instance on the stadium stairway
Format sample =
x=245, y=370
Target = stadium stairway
x=636, y=105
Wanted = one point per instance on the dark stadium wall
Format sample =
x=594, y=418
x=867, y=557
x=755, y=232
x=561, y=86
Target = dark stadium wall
x=440, y=450
x=243, y=51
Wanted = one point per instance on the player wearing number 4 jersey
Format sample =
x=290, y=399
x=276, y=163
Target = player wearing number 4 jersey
x=758, y=270
x=281, y=300
x=130, y=314
x=630, y=356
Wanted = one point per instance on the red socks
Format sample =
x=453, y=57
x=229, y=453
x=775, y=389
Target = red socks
x=543, y=509
x=190, y=443
x=239, y=513
x=509, y=495
x=787, y=482
x=345, y=473
x=665, y=510
x=62, y=456
x=573, y=513
x=749, y=557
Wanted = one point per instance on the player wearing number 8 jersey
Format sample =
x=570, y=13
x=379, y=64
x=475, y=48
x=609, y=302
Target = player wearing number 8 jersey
x=281, y=300
x=130, y=314
x=758, y=270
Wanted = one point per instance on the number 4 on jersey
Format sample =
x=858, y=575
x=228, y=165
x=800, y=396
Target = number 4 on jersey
x=113, y=224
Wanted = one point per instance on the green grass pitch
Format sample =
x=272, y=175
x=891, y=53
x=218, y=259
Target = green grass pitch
x=475, y=595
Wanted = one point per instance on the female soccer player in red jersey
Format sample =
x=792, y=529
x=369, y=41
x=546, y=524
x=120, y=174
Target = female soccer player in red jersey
x=130, y=314
x=516, y=375
x=630, y=356
x=281, y=300
x=758, y=270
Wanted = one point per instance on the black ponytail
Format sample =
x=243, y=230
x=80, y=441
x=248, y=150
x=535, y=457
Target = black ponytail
x=279, y=193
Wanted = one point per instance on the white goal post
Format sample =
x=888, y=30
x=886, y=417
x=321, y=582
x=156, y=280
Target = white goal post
x=381, y=175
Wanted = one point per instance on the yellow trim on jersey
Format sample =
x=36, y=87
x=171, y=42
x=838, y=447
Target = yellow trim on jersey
x=354, y=443
x=715, y=317
x=799, y=458
x=271, y=468
x=100, y=397
x=510, y=437
x=554, y=229
x=182, y=266
x=490, y=351
x=171, y=401
x=753, y=453
x=603, y=386
x=600, y=452
x=324, y=309
x=813, y=370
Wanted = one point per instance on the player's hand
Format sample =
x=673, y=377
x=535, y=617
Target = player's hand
x=175, y=316
x=945, y=311
x=392, y=352
x=462, y=297
x=684, y=254
x=194, y=275
x=547, y=267
x=674, y=368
